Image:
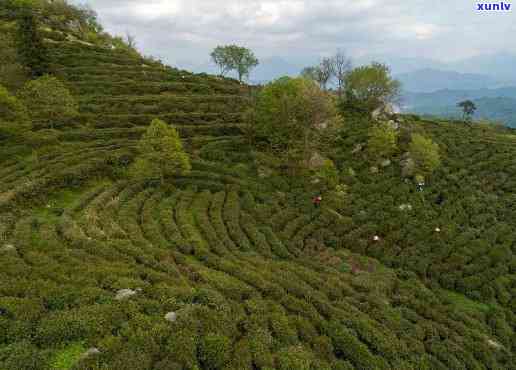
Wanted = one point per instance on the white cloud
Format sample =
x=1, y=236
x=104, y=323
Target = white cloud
x=187, y=29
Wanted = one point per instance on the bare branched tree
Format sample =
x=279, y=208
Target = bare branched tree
x=341, y=67
x=130, y=40
x=324, y=72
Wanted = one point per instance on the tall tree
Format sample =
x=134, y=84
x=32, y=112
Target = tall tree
x=468, y=109
x=341, y=68
x=161, y=153
x=382, y=141
x=372, y=86
x=324, y=72
x=293, y=115
x=221, y=57
x=31, y=49
x=13, y=114
x=49, y=100
x=233, y=57
x=425, y=154
x=321, y=73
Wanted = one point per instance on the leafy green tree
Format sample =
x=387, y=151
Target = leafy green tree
x=12, y=73
x=425, y=154
x=233, y=57
x=161, y=153
x=468, y=109
x=341, y=67
x=31, y=48
x=293, y=115
x=321, y=73
x=372, y=86
x=13, y=114
x=382, y=141
x=49, y=100
x=328, y=175
x=215, y=351
x=221, y=57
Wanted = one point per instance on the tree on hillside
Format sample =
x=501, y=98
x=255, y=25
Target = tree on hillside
x=310, y=73
x=325, y=72
x=372, y=86
x=321, y=73
x=468, y=109
x=13, y=114
x=161, y=153
x=32, y=51
x=341, y=68
x=382, y=141
x=49, y=100
x=293, y=115
x=12, y=73
x=234, y=58
x=221, y=58
x=425, y=154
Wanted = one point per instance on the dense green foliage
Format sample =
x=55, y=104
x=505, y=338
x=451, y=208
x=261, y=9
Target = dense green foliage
x=256, y=276
x=293, y=116
x=234, y=58
x=49, y=100
x=13, y=114
x=425, y=154
x=32, y=51
x=161, y=153
x=371, y=86
x=382, y=141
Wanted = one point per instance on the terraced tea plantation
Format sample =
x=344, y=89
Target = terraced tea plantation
x=225, y=268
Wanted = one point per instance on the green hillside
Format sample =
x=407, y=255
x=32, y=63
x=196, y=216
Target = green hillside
x=230, y=266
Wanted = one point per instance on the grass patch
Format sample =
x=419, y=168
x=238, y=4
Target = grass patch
x=67, y=357
x=464, y=303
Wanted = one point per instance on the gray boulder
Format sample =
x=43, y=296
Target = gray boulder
x=374, y=170
x=7, y=248
x=386, y=163
x=171, y=316
x=405, y=207
x=408, y=166
x=358, y=148
x=125, y=294
x=90, y=352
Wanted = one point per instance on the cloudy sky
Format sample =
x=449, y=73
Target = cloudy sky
x=183, y=32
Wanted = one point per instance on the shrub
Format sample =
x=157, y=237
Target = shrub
x=161, y=153
x=425, y=154
x=382, y=141
x=49, y=100
x=294, y=358
x=13, y=114
x=214, y=351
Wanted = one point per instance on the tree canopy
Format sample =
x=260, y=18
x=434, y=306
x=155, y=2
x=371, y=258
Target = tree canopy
x=382, y=141
x=13, y=114
x=49, y=100
x=234, y=58
x=161, y=153
x=425, y=154
x=468, y=109
x=293, y=115
x=372, y=86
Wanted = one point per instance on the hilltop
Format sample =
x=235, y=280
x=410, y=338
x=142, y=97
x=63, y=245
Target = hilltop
x=229, y=266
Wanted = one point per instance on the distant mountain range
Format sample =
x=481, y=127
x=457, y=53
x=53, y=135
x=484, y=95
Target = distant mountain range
x=428, y=80
x=493, y=104
x=429, y=86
